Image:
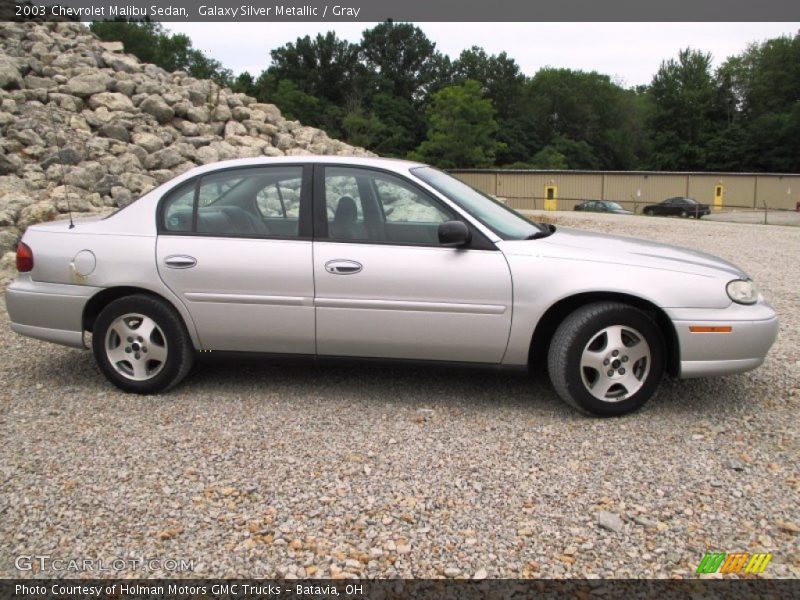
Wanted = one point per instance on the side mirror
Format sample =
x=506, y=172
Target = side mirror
x=454, y=234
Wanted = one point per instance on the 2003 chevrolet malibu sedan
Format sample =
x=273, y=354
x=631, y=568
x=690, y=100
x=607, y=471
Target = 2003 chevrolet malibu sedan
x=375, y=258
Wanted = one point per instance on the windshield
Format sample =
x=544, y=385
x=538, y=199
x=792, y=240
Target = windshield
x=614, y=206
x=505, y=222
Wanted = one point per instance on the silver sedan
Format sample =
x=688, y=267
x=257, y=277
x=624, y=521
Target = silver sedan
x=372, y=258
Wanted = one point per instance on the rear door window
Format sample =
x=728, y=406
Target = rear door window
x=251, y=202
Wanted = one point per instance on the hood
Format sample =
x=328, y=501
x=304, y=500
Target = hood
x=578, y=244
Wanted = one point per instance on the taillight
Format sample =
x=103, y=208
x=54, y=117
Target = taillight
x=24, y=258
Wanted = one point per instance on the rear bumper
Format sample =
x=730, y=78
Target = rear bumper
x=48, y=311
x=753, y=330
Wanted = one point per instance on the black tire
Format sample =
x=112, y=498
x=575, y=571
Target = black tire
x=571, y=342
x=170, y=336
x=648, y=212
x=684, y=214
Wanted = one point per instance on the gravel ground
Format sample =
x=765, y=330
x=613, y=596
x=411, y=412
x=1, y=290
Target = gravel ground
x=774, y=217
x=269, y=470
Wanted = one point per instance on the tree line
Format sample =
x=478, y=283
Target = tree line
x=394, y=93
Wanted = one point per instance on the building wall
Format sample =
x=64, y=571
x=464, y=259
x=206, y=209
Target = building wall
x=738, y=190
x=778, y=192
x=526, y=189
x=634, y=190
x=485, y=182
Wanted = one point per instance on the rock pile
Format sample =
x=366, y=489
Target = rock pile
x=81, y=120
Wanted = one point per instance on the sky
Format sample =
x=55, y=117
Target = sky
x=628, y=52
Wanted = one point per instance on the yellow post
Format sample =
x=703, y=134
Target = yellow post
x=719, y=196
x=551, y=197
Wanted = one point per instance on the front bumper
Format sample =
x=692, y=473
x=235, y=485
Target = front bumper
x=48, y=311
x=753, y=331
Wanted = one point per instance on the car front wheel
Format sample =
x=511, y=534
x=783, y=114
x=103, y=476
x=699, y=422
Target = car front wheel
x=141, y=345
x=606, y=359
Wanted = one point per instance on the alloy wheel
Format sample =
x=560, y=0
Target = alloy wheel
x=615, y=363
x=136, y=347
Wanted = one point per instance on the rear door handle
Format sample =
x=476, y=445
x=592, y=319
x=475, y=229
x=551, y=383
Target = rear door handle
x=180, y=261
x=343, y=267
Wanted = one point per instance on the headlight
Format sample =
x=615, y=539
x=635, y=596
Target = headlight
x=743, y=291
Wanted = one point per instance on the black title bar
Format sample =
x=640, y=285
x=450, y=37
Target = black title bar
x=387, y=589
x=408, y=10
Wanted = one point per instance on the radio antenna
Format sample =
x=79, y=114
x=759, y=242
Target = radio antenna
x=60, y=156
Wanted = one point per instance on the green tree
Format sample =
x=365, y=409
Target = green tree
x=244, y=83
x=405, y=62
x=686, y=112
x=499, y=76
x=548, y=158
x=140, y=38
x=577, y=154
x=588, y=108
x=294, y=103
x=761, y=90
x=769, y=76
x=404, y=69
x=150, y=42
x=462, y=129
x=363, y=129
x=504, y=85
x=772, y=142
x=325, y=66
x=314, y=80
x=403, y=124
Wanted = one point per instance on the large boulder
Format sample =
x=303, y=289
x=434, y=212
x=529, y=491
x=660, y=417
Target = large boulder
x=85, y=176
x=111, y=100
x=8, y=240
x=10, y=163
x=10, y=77
x=149, y=141
x=115, y=130
x=88, y=84
x=163, y=159
x=155, y=105
x=37, y=213
x=121, y=62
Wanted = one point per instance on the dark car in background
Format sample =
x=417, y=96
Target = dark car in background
x=603, y=206
x=678, y=207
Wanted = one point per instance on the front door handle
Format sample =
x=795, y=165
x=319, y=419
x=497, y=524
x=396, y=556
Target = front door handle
x=180, y=261
x=343, y=267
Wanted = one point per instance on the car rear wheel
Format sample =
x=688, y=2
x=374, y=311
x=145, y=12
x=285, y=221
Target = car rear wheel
x=684, y=214
x=606, y=359
x=648, y=212
x=141, y=345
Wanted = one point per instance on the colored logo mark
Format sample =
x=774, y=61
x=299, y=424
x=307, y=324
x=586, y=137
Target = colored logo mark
x=738, y=562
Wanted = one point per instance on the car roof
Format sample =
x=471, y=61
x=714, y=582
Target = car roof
x=390, y=164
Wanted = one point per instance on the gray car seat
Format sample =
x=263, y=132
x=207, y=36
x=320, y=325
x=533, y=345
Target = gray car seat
x=344, y=219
